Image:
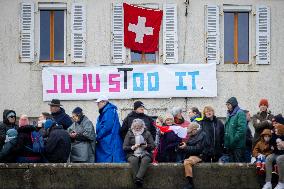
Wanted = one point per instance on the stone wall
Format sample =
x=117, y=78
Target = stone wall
x=118, y=176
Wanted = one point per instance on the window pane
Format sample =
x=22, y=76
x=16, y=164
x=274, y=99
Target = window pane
x=151, y=57
x=58, y=35
x=44, y=35
x=243, y=37
x=136, y=56
x=229, y=37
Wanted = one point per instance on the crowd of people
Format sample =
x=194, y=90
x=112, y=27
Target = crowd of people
x=140, y=140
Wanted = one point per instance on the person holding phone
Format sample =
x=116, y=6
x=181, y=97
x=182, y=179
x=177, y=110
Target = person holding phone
x=138, y=145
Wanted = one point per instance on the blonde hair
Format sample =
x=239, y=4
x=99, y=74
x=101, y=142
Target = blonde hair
x=208, y=108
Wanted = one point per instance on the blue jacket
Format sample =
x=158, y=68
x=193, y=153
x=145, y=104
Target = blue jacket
x=109, y=143
x=62, y=118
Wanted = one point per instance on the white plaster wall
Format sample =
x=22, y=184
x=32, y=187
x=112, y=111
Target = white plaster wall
x=20, y=83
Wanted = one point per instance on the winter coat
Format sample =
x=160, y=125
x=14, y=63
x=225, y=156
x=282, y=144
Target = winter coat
x=130, y=141
x=126, y=125
x=169, y=141
x=109, y=143
x=62, y=118
x=58, y=145
x=195, y=145
x=7, y=153
x=261, y=146
x=274, y=144
x=262, y=124
x=235, y=130
x=5, y=126
x=25, y=144
x=248, y=138
x=214, y=130
x=83, y=146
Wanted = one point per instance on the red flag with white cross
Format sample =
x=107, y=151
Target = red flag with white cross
x=141, y=28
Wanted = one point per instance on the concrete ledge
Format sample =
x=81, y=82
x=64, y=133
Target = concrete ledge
x=118, y=176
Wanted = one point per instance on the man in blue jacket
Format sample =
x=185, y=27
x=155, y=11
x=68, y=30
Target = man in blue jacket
x=109, y=143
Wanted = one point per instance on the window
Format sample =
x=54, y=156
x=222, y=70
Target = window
x=52, y=36
x=142, y=57
x=236, y=37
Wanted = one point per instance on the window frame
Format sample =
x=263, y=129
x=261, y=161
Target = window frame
x=238, y=9
x=53, y=7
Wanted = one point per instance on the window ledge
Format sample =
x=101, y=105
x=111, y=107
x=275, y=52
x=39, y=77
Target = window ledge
x=237, y=68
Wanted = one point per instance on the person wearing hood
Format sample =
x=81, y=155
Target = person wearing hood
x=7, y=154
x=214, y=129
x=138, y=145
x=109, y=142
x=24, y=147
x=58, y=143
x=138, y=113
x=59, y=115
x=262, y=149
x=9, y=122
x=235, y=131
x=83, y=139
x=262, y=120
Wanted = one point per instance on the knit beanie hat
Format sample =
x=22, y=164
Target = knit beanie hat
x=12, y=133
x=233, y=101
x=48, y=124
x=263, y=102
x=138, y=104
x=279, y=119
x=77, y=110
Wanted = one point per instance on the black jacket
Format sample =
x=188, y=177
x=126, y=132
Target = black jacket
x=58, y=145
x=195, y=145
x=62, y=118
x=5, y=126
x=214, y=130
x=126, y=125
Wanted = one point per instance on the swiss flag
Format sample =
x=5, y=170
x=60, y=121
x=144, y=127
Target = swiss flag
x=141, y=28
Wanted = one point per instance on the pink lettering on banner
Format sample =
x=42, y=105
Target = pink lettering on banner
x=64, y=89
x=84, y=89
x=112, y=82
x=54, y=90
x=98, y=83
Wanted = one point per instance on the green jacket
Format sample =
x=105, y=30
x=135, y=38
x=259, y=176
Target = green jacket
x=235, y=130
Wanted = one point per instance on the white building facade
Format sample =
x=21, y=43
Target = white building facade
x=244, y=38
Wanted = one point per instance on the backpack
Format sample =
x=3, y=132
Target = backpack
x=38, y=142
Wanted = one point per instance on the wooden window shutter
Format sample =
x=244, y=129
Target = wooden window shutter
x=27, y=32
x=262, y=35
x=170, y=37
x=212, y=34
x=78, y=33
x=118, y=48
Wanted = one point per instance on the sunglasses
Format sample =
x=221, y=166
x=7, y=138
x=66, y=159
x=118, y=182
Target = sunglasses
x=12, y=116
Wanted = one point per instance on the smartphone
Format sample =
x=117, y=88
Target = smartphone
x=142, y=144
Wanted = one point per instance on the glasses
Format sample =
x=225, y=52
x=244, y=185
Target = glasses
x=12, y=117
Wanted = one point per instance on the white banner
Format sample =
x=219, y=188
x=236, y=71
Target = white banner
x=129, y=81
